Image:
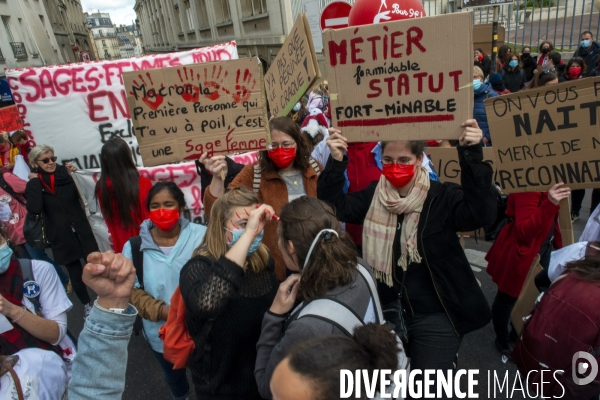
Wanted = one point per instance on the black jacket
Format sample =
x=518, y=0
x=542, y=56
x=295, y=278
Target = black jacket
x=529, y=65
x=485, y=65
x=590, y=57
x=513, y=80
x=448, y=209
x=67, y=227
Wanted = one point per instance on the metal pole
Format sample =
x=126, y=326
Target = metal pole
x=495, y=37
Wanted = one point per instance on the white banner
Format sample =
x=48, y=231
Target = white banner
x=76, y=108
x=184, y=175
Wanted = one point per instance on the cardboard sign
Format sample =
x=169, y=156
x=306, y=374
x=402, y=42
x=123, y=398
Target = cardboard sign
x=182, y=112
x=527, y=297
x=445, y=162
x=389, y=81
x=547, y=135
x=293, y=71
x=10, y=120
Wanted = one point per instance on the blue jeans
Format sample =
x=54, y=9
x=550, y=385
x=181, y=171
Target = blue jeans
x=175, y=378
x=35, y=254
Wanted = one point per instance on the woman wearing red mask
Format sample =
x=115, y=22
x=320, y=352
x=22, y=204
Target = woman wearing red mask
x=575, y=69
x=409, y=238
x=166, y=242
x=482, y=61
x=284, y=172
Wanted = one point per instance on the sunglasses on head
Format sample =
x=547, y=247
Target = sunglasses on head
x=47, y=160
x=548, y=70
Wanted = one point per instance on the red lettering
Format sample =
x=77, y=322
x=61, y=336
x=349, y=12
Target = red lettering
x=77, y=79
x=355, y=50
x=373, y=41
x=62, y=87
x=440, y=85
x=334, y=50
x=403, y=83
x=30, y=82
x=390, y=81
x=47, y=83
x=420, y=77
x=373, y=86
x=93, y=107
x=455, y=75
x=92, y=79
x=385, y=44
x=413, y=38
x=396, y=45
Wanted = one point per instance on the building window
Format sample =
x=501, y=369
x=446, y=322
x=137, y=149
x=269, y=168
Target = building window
x=253, y=7
x=103, y=43
x=222, y=12
x=202, y=14
x=7, y=28
x=189, y=16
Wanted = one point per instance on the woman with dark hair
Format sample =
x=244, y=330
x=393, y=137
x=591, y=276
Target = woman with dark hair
x=544, y=77
x=546, y=48
x=232, y=259
x=513, y=75
x=312, y=244
x=529, y=62
x=504, y=53
x=409, y=238
x=121, y=192
x=311, y=371
x=482, y=61
x=285, y=171
x=166, y=243
x=575, y=69
x=51, y=193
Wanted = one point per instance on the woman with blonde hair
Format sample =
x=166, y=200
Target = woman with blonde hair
x=227, y=287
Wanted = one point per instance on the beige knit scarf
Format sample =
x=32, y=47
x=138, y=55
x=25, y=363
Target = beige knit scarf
x=381, y=220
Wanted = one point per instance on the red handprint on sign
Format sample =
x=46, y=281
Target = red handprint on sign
x=243, y=89
x=151, y=97
x=191, y=91
x=214, y=82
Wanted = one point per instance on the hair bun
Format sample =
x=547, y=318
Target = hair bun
x=380, y=345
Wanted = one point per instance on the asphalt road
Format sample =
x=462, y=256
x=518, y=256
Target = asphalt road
x=145, y=381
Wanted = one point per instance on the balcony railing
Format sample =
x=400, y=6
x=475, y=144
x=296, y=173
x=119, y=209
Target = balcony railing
x=19, y=50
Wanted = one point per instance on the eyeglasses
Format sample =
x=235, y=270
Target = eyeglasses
x=545, y=71
x=576, y=59
x=284, y=145
x=47, y=160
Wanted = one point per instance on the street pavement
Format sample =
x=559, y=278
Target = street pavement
x=145, y=381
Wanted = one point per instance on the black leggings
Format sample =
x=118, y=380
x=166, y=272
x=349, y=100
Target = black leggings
x=577, y=199
x=75, y=271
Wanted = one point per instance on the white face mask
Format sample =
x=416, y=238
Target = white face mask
x=5, y=255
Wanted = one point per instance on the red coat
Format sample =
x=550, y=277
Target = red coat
x=520, y=241
x=120, y=235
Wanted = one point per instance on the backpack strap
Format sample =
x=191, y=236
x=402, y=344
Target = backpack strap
x=31, y=289
x=315, y=166
x=138, y=259
x=8, y=189
x=334, y=312
x=256, y=180
x=373, y=289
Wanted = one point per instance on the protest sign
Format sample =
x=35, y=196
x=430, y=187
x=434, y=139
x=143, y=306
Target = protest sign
x=10, y=120
x=183, y=175
x=180, y=113
x=547, y=135
x=399, y=81
x=445, y=162
x=293, y=71
x=78, y=107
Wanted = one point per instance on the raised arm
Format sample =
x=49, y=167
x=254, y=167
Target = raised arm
x=244, y=178
x=351, y=207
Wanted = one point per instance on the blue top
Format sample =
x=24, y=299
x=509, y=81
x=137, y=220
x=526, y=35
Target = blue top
x=485, y=91
x=161, y=272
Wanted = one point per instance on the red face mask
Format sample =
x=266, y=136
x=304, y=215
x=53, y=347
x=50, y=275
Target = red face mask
x=164, y=219
x=398, y=174
x=574, y=72
x=281, y=157
x=480, y=57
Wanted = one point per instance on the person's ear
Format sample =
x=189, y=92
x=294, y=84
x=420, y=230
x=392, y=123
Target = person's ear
x=419, y=160
x=290, y=248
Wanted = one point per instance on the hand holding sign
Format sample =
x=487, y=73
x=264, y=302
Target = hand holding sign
x=558, y=193
x=338, y=145
x=472, y=134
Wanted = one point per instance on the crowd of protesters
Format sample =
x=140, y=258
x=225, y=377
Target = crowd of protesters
x=318, y=231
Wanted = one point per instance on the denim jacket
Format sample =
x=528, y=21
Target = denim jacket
x=101, y=361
